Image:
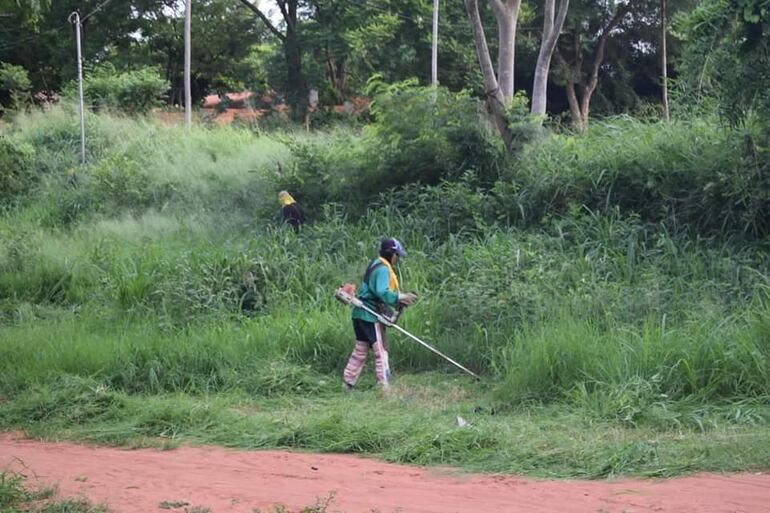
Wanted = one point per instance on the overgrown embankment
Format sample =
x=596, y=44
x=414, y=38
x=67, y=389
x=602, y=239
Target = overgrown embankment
x=618, y=278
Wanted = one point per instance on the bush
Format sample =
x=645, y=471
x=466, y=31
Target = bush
x=14, y=86
x=17, y=174
x=443, y=209
x=426, y=135
x=133, y=92
x=691, y=174
x=120, y=182
x=419, y=135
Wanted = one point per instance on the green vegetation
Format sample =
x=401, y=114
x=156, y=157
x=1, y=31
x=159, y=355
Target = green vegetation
x=16, y=497
x=132, y=92
x=14, y=86
x=611, y=289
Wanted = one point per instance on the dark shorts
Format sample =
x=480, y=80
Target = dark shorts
x=365, y=331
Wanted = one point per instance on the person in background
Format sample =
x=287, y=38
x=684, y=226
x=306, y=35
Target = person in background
x=379, y=292
x=291, y=212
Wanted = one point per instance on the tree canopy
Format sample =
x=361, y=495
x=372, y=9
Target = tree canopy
x=606, y=58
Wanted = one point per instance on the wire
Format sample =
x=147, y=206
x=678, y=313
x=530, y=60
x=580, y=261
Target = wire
x=98, y=7
x=21, y=41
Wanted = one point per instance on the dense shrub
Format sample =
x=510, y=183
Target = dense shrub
x=17, y=175
x=426, y=135
x=133, y=92
x=418, y=135
x=689, y=174
x=694, y=175
x=14, y=86
x=119, y=181
x=441, y=210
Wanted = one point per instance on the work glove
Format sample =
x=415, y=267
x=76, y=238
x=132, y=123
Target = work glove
x=407, y=298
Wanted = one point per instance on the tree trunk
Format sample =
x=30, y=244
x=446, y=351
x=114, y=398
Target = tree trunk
x=572, y=99
x=581, y=109
x=664, y=58
x=593, y=81
x=296, y=88
x=494, y=96
x=507, y=15
x=551, y=30
x=336, y=73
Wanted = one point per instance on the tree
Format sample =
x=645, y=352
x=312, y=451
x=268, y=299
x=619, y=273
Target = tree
x=347, y=42
x=507, y=14
x=135, y=34
x=552, y=25
x=495, y=98
x=14, y=86
x=41, y=39
x=352, y=40
x=223, y=57
x=581, y=83
x=727, y=57
x=296, y=84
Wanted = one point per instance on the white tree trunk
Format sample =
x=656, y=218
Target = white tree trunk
x=507, y=15
x=551, y=30
x=494, y=96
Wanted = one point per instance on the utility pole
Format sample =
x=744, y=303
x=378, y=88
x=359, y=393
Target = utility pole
x=187, y=45
x=75, y=18
x=664, y=59
x=434, y=49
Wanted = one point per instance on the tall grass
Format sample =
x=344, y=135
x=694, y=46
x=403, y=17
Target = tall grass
x=548, y=313
x=692, y=173
x=159, y=267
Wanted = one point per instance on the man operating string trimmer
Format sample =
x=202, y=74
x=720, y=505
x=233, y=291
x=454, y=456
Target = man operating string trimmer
x=378, y=305
x=380, y=294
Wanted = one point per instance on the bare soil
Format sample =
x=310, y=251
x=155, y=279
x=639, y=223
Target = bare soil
x=141, y=481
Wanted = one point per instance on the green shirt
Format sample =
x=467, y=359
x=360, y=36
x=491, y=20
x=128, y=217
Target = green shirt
x=377, y=289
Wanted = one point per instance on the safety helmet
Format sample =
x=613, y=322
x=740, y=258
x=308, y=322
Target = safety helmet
x=391, y=246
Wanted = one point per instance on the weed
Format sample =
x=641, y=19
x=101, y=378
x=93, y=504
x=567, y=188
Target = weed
x=16, y=497
x=173, y=504
x=321, y=505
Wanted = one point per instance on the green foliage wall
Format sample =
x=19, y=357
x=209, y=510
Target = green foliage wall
x=418, y=136
x=132, y=92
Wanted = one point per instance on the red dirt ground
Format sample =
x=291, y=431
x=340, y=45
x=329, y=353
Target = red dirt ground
x=137, y=481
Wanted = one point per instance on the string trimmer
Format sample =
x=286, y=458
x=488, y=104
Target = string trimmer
x=349, y=299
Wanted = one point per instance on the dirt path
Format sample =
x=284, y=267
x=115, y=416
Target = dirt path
x=137, y=481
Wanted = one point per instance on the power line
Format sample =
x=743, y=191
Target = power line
x=25, y=36
x=98, y=8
